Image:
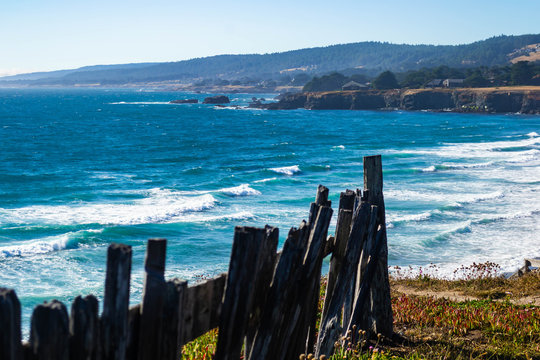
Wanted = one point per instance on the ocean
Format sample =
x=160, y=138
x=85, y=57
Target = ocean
x=83, y=168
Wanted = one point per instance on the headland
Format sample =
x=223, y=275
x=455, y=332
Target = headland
x=508, y=99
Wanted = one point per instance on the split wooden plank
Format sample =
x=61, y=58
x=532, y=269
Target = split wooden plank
x=201, y=308
x=49, y=331
x=381, y=304
x=369, y=280
x=84, y=329
x=364, y=322
x=114, y=320
x=171, y=331
x=132, y=342
x=304, y=337
x=272, y=335
x=238, y=298
x=10, y=325
x=343, y=229
x=265, y=270
x=153, y=300
x=330, y=328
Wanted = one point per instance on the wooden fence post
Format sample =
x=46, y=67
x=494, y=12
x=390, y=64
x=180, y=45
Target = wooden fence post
x=274, y=329
x=10, y=325
x=200, y=309
x=311, y=309
x=367, y=255
x=381, y=304
x=114, y=320
x=265, y=270
x=153, y=300
x=172, y=324
x=134, y=322
x=49, y=331
x=343, y=229
x=238, y=298
x=84, y=329
x=358, y=314
x=330, y=328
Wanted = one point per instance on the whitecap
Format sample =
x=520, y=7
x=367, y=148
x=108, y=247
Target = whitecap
x=468, y=166
x=473, y=198
x=241, y=190
x=44, y=245
x=429, y=169
x=496, y=150
x=160, y=206
x=141, y=103
x=449, y=198
x=410, y=217
x=266, y=180
x=532, y=134
x=286, y=170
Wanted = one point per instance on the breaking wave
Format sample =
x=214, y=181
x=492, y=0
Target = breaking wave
x=286, y=170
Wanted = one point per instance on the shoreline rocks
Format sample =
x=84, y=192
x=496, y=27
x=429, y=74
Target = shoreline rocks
x=480, y=100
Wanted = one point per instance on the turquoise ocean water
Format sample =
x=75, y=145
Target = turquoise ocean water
x=81, y=168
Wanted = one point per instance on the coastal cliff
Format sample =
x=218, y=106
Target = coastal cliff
x=524, y=100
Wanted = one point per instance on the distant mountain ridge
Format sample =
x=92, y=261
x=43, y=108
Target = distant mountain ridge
x=370, y=57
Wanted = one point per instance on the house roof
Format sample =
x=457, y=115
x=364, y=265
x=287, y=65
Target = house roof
x=353, y=83
x=434, y=82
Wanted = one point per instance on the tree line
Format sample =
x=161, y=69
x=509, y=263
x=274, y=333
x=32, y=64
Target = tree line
x=520, y=73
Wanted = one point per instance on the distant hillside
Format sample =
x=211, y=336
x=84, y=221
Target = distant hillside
x=367, y=57
x=61, y=73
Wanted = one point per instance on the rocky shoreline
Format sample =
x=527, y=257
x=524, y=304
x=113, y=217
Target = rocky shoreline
x=525, y=100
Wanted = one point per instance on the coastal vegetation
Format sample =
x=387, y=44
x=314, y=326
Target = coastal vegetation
x=519, y=73
x=493, y=321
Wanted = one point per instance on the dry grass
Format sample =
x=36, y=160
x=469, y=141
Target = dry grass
x=478, y=284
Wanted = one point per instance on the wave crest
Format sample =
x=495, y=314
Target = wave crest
x=241, y=190
x=160, y=206
x=286, y=170
x=45, y=245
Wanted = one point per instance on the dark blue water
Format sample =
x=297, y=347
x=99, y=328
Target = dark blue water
x=81, y=168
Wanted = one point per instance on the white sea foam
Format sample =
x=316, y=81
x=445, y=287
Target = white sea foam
x=533, y=134
x=439, y=196
x=494, y=151
x=341, y=147
x=241, y=190
x=44, y=245
x=454, y=166
x=409, y=217
x=392, y=220
x=429, y=169
x=141, y=103
x=103, y=175
x=287, y=170
x=265, y=180
x=160, y=206
x=467, y=166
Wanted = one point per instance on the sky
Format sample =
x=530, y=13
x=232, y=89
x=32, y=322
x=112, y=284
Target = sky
x=39, y=35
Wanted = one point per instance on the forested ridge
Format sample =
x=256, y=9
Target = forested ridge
x=370, y=58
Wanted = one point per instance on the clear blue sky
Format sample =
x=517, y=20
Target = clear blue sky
x=40, y=35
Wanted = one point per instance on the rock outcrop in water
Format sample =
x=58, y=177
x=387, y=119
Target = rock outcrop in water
x=524, y=100
x=219, y=99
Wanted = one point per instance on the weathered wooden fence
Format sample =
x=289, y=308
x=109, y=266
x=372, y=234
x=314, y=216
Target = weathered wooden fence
x=267, y=303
